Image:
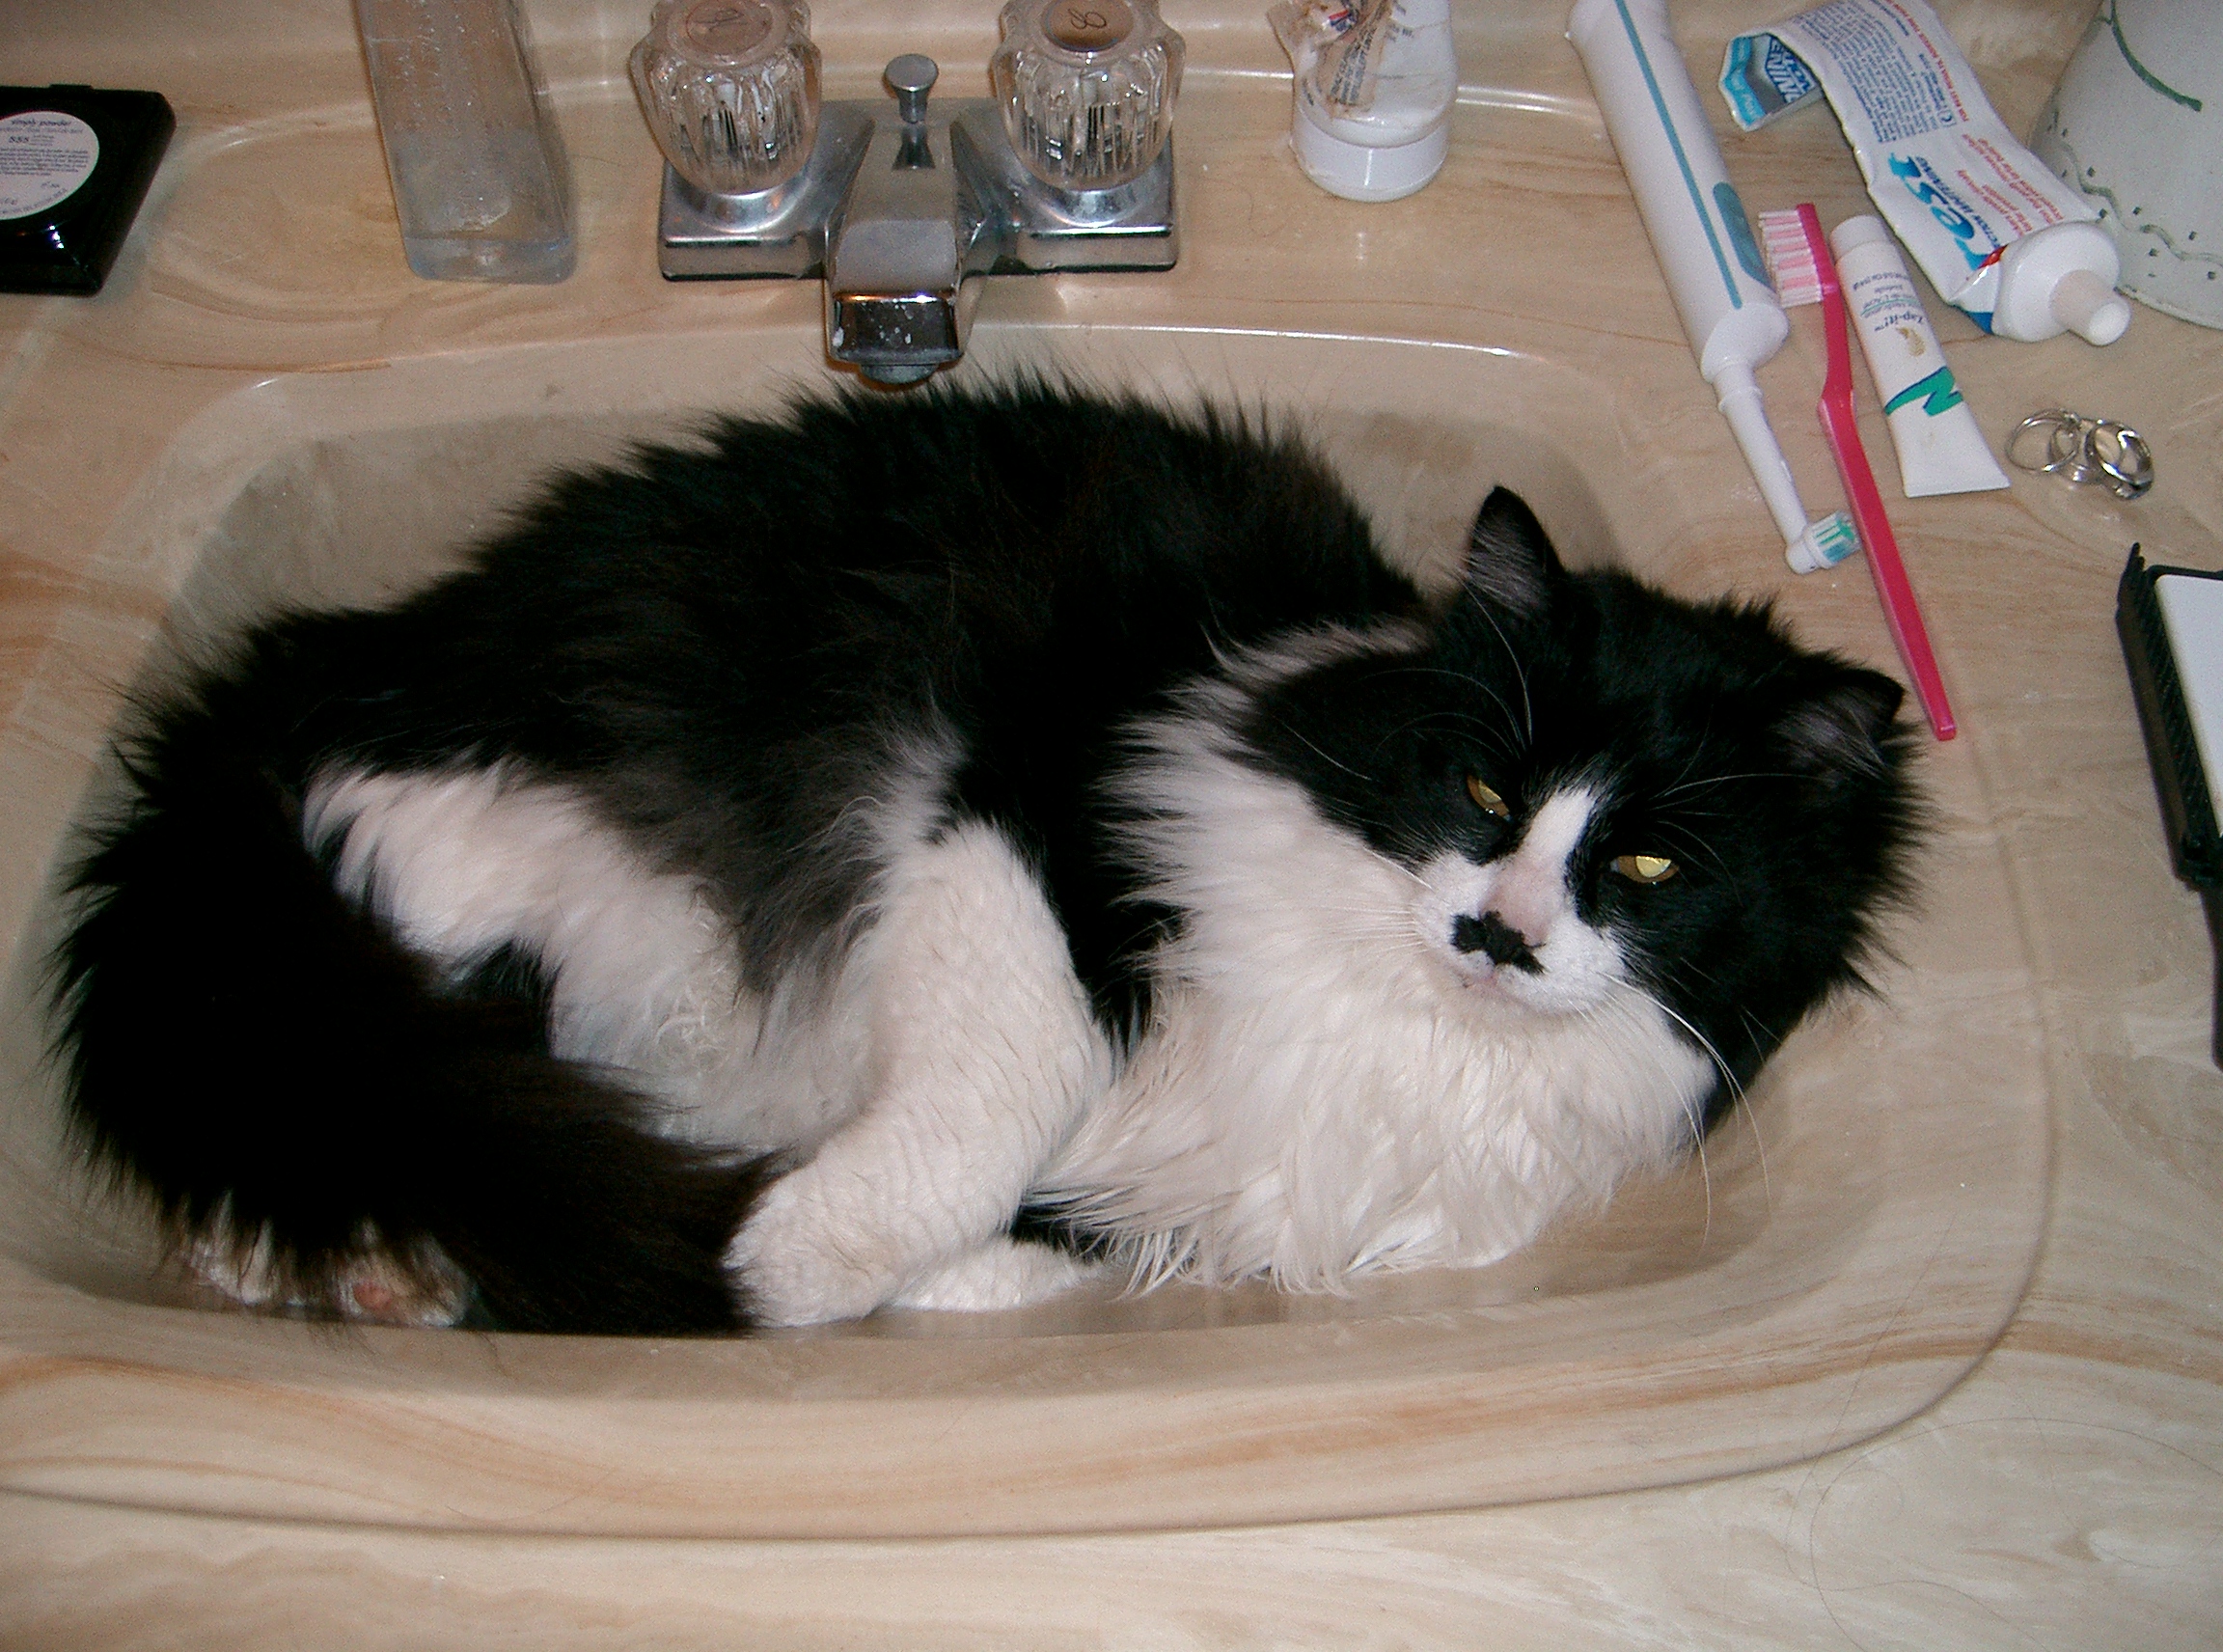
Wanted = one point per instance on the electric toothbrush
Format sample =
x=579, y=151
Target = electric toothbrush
x=1703, y=241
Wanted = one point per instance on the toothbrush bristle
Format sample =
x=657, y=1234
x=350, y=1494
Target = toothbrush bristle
x=1790, y=258
x=1835, y=537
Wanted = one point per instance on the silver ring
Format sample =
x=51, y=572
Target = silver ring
x=2054, y=424
x=2122, y=457
x=2079, y=448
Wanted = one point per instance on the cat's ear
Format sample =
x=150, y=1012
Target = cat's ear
x=1510, y=562
x=1846, y=727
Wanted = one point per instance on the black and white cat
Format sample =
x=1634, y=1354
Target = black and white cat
x=924, y=849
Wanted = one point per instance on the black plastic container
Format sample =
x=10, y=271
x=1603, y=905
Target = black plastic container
x=74, y=165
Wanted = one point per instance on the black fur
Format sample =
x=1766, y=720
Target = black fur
x=716, y=647
x=251, y=1047
x=713, y=646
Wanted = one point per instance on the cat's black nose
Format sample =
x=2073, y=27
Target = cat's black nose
x=1491, y=934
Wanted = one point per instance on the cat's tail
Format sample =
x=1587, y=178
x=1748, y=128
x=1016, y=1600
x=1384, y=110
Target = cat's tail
x=315, y=1108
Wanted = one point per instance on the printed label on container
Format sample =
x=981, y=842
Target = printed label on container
x=46, y=157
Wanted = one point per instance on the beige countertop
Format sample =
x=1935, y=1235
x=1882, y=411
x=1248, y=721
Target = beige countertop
x=2065, y=1491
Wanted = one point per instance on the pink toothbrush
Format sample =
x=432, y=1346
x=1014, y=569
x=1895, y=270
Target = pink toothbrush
x=1798, y=259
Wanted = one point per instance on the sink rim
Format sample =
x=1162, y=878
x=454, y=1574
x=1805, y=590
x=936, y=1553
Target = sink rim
x=1453, y=1407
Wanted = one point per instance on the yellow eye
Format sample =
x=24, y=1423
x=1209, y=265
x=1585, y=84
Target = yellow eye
x=1645, y=869
x=1486, y=800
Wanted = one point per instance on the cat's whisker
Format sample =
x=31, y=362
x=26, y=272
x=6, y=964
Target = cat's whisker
x=1764, y=1040
x=1467, y=680
x=1712, y=781
x=1688, y=966
x=1705, y=1045
x=1376, y=914
x=1447, y=715
x=1704, y=1169
x=1294, y=733
x=1705, y=851
x=1739, y=1099
x=1622, y=1008
x=1397, y=933
x=1519, y=670
x=1691, y=761
x=1759, y=1148
x=1402, y=871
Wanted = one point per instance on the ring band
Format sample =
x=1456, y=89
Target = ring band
x=2081, y=448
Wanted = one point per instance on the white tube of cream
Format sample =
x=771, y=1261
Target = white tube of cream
x=1998, y=235
x=1940, y=448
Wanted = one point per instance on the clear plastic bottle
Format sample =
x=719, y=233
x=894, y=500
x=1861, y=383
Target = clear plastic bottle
x=481, y=178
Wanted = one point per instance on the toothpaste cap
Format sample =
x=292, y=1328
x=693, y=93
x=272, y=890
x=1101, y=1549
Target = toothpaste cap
x=1859, y=232
x=2088, y=307
x=2061, y=279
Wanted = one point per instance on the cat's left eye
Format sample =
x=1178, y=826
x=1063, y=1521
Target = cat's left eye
x=1486, y=799
x=1645, y=869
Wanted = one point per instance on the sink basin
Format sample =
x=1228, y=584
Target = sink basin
x=1841, y=1251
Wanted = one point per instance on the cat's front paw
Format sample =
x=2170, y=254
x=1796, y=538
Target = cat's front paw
x=1003, y=1274
x=797, y=1267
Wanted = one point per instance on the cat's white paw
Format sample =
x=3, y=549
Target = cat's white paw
x=799, y=1270
x=796, y=1268
x=1004, y=1273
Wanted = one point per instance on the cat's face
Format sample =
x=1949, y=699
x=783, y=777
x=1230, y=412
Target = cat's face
x=1596, y=790
x=1502, y=908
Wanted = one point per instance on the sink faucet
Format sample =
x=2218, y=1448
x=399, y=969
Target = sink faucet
x=903, y=242
x=899, y=211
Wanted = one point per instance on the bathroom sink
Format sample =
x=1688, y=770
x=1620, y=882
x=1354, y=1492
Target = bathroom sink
x=1844, y=1249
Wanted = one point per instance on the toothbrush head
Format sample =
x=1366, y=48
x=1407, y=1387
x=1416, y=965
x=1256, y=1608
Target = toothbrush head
x=1797, y=257
x=1824, y=545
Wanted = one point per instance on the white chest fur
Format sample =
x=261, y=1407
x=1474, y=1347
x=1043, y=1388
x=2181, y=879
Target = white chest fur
x=1330, y=1083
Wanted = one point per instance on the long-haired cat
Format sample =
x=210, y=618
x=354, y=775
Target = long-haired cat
x=923, y=849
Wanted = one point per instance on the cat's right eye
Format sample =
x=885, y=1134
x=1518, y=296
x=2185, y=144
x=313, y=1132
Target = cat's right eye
x=1486, y=799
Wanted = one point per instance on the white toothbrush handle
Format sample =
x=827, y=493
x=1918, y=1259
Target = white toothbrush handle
x=1740, y=405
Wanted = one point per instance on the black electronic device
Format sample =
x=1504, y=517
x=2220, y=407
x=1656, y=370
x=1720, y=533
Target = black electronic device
x=2171, y=620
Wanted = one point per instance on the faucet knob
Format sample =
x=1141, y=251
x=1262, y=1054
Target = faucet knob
x=731, y=91
x=1086, y=88
x=911, y=77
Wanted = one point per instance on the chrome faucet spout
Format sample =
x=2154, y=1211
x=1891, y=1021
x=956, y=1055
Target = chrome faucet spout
x=897, y=255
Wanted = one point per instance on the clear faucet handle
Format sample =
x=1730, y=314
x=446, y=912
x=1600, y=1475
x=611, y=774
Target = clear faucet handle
x=731, y=91
x=1086, y=88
